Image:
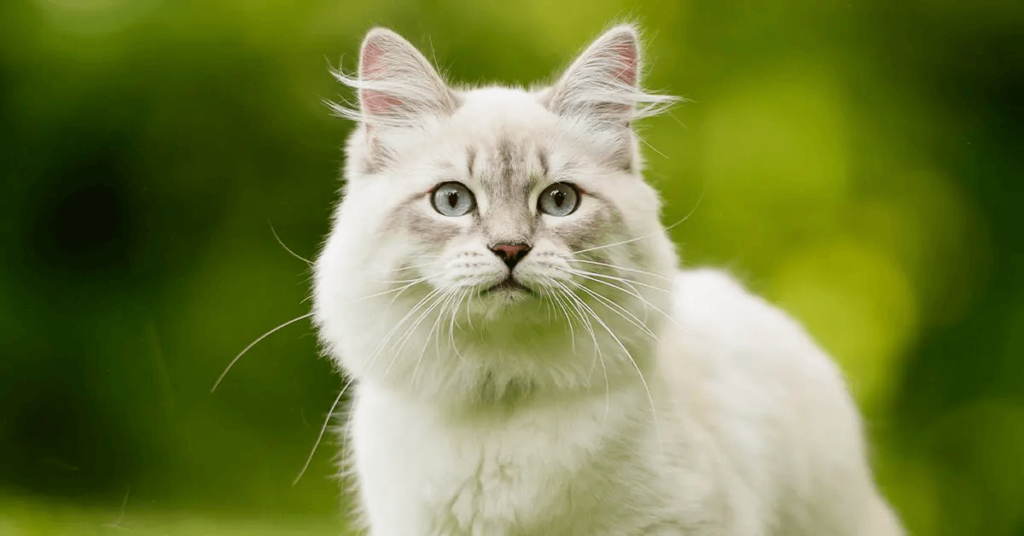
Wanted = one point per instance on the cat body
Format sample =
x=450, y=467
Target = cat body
x=529, y=359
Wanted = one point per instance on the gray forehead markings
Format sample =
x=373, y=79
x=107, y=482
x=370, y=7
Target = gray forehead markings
x=508, y=171
x=510, y=177
x=506, y=156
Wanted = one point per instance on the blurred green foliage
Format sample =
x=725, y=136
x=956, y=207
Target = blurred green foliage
x=859, y=163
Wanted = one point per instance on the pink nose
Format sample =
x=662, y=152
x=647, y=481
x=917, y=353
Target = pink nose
x=510, y=253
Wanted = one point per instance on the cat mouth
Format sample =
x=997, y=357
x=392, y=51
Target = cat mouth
x=509, y=285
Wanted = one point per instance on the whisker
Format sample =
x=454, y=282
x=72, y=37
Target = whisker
x=454, y=321
x=623, y=268
x=619, y=310
x=396, y=296
x=572, y=332
x=286, y=248
x=590, y=276
x=625, y=281
x=414, y=266
x=254, y=343
x=437, y=340
x=448, y=307
x=469, y=306
x=634, y=293
x=615, y=278
x=443, y=297
x=577, y=301
x=650, y=397
x=439, y=297
x=323, y=429
x=387, y=281
x=399, y=291
x=703, y=191
x=394, y=329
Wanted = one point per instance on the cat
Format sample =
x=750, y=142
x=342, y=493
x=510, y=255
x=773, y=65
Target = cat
x=528, y=357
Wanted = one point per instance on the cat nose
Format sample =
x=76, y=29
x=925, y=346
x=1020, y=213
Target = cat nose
x=510, y=253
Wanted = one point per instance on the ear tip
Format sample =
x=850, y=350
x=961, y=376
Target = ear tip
x=628, y=32
x=379, y=42
x=380, y=35
x=379, y=31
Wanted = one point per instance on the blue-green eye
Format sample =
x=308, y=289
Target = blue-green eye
x=453, y=199
x=559, y=199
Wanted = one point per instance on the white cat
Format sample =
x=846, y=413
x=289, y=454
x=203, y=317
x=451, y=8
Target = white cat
x=529, y=360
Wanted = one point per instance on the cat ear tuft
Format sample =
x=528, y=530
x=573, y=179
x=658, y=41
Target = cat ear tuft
x=603, y=84
x=397, y=86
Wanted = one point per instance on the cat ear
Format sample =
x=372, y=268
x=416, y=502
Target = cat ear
x=397, y=86
x=603, y=84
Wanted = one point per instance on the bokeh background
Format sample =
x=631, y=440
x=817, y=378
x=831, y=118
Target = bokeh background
x=859, y=162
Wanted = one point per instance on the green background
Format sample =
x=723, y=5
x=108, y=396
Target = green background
x=858, y=162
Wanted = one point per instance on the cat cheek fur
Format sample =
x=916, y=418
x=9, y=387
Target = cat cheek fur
x=626, y=398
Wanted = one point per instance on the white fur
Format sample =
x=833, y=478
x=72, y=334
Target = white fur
x=683, y=406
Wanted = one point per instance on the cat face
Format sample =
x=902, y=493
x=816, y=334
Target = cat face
x=498, y=199
x=492, y=221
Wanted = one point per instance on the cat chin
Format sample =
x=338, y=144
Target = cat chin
x=496, y=304
x=507, y=297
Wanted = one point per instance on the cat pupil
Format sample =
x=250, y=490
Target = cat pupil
x=453, y=199
x=559, y=198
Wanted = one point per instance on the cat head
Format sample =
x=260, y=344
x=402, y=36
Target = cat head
x=494, y=237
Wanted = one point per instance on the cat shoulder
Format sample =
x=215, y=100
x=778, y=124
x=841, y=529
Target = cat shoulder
x=708, y=297
x=715, y=307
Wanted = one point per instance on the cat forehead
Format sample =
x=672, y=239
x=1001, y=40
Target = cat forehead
x=488, y=112
x=508, y=133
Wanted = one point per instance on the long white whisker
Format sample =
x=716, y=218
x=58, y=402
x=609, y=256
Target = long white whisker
x=615, y=278
x=413, y=266
x=576, y=302
x=590, y=276
x=383, y=343
x=622, y=268
x=442, y=295
x=397, y=281
x=703, y=191
x=634, y=293
x=398, y=290
x=568, y=318
x=323, y=429
x=435, y=328
x=396, y=296
x=455, y=323
x=650, y=397
x=254, y=343
x=286, y=248
x=441, y=299
x=625, y=281
x=619, y=310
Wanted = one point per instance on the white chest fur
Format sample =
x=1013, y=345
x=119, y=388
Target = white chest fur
x=555, y=468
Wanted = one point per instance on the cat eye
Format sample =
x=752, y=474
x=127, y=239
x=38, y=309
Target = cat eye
x=453, y=199
x=559, y=199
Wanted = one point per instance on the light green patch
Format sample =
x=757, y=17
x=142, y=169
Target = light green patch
x=25, y=518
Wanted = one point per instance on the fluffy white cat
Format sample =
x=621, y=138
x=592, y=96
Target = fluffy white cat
x=529, y=360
